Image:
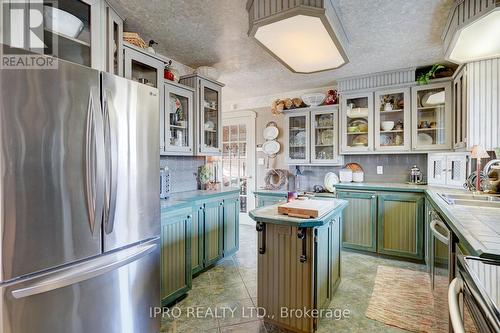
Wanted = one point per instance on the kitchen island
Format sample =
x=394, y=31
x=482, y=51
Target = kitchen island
x=298, y=265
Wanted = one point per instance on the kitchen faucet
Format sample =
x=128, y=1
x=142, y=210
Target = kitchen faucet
x=488, y=166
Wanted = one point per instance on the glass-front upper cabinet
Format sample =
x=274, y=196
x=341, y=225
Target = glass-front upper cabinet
x=210, y=140
x=357, y=122
x=179, y=136
x=297, y=137
x=392, y=120
x=432, y=116
x=114, y=42
x=324, y=136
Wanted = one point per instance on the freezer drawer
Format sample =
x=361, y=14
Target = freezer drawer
x=110, y=294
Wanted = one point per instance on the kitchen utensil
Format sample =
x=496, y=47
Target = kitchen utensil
x=424, y=139
x=399, y=126
x=300, y=139
x=327, y=137
x=360, y=140
x=387, y=107
x=387, y=125
x=433, y=98
x=352, y=129
x=318, y=189
x=209, y=125
x=271, y=147
x=62, y=22
x=313, y=99
x=345, y=175
x=325, y=120
x=354, y=167
x=208, y=71
x=331, y=179
x=415, y=175
x=361, y=123
x=306, y=209
x=357, y=112
x=271, y=132
x=358, y=176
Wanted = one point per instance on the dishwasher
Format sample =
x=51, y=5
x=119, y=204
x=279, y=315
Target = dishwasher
x=475, y=293
x=442, y=260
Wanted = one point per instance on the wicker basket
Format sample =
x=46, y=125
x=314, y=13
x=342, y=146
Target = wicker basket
x=134, y=39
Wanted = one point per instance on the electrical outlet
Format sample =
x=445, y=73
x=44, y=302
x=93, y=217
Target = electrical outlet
x=380, y=170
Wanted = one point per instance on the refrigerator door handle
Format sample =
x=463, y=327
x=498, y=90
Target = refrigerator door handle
x=111, y=161
x=85, y=271
x=94, y=161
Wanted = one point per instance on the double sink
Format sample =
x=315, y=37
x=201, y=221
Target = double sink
x=473, y=200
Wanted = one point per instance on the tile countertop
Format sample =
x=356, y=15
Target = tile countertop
x=477, y=227
x=184, y=199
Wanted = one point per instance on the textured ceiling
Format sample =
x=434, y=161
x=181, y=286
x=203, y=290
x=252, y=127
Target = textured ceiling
x=383, y=35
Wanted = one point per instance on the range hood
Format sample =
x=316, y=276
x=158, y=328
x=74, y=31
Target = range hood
x=307, y=36
x=473, y=31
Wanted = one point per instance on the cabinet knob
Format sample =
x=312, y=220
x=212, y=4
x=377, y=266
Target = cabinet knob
x=221, y=203
x=190, y=216
x=373, y=196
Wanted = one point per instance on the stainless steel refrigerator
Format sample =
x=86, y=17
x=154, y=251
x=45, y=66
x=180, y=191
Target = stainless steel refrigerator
x=79, y=203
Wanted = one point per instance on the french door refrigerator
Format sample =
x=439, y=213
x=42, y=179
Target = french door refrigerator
x=79, y=206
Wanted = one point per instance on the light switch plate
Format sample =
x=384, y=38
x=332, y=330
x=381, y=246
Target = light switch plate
x=380, y=170
x=260, y=161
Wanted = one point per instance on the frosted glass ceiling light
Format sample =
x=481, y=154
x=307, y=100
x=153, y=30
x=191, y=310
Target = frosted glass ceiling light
x=473, y=32
x=305, y=38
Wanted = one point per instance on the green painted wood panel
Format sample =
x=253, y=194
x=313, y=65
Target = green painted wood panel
x=268, y=200
x=197, y=242
x=175, y=255
x=401, y=225
x=213, y=231
x=323, y=256
x=231, y=225
x=359, y=221
x=336, y=247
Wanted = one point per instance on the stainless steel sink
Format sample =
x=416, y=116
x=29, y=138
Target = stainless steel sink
x=474, y=200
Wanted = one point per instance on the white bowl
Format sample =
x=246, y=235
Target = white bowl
x=387, y=125
x=62, y=22
x=208, y=71
x=313, y=99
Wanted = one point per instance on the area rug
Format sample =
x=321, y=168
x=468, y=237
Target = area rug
x=403, y=298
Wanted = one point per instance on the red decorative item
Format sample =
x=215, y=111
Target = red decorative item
x=168, y=75
x=331, y=97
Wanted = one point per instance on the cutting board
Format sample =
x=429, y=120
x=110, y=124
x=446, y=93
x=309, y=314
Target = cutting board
x=306, y=208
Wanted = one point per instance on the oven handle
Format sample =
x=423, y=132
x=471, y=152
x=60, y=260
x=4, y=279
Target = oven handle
x=455, y=289
x=442, y=238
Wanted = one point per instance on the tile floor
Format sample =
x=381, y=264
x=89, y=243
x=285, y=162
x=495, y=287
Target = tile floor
x=232, y=283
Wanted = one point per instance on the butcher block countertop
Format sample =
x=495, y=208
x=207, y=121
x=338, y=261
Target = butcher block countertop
x=270, y=214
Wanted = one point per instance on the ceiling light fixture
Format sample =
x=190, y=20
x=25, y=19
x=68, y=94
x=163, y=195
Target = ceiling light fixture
x=473, y=31
x=307, y=36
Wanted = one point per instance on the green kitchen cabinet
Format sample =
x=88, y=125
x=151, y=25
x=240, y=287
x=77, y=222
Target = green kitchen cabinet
x=271, y=198
x=197, y=250
x=359, y=227
x=231, y=225
x=213, y=231
x=327, y=242
x=175, y=259
x=401, y=225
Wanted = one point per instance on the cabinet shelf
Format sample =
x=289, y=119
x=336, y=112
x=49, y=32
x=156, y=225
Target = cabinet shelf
x=431, y=108
x=68, y=38
x=430, y=129
x=391, y=111
x=357, y=133
x=178, y=127
x=392, y=131
x=324, y=127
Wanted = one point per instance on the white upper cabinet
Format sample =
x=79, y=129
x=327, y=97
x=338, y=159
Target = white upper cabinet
x=297, y=137
x=312, y=136
x=357, y=123
x=324, y=136
x=393, y=120
x=207, y=114
x=178, y=119
x=432, y=117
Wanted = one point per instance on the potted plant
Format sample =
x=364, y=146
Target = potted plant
x=424, y=78
x=204, y=176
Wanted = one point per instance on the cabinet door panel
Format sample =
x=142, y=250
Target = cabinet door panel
x=356, y=119
x=359, y=221
x=336, y=245
x=263, y=200
x=297, y=138
x=323, y=265
x=213, y=224
x=175, y=256
x=400, y=225
x=231, y=225
x=197, y=243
